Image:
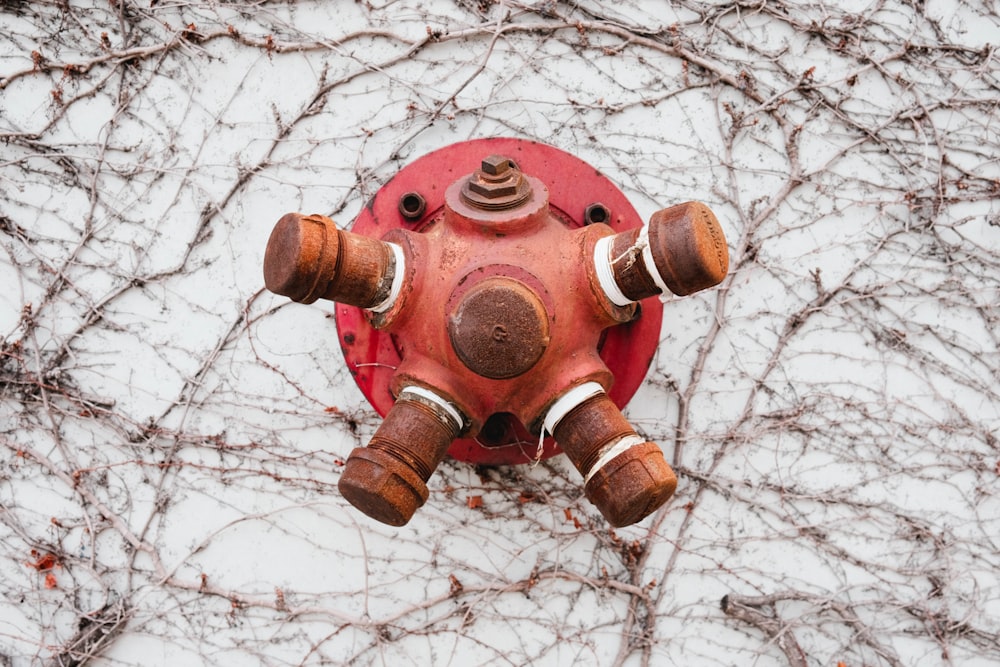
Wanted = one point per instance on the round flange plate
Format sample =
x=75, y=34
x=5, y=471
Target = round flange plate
x=574, y=186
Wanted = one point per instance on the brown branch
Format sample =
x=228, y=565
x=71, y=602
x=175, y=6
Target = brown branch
x=748, y=610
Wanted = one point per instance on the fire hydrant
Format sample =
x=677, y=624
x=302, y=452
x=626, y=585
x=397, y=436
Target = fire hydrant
x=476, y=296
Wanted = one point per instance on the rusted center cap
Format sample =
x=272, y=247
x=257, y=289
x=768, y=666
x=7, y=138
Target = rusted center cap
x=500, y=328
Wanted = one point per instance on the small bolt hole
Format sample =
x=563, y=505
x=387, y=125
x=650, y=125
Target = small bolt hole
x=596, y=213
x=412, y=205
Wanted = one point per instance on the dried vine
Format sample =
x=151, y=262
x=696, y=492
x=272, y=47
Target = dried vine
x=171, y=435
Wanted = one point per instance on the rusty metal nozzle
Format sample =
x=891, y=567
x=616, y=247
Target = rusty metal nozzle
x=626, y=477
x=308, y=258
x=682, y=249
x=387, y=480
x=498, y=185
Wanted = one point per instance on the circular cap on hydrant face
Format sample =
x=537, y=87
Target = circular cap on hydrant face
x=688, y=247
x=633, y=485
x=499, y=329
x=300, y=258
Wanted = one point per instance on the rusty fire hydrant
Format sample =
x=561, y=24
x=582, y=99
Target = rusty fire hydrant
x=495, y=305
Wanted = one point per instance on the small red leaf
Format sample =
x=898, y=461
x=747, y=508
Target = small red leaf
x=455, y=585
x=44, y=563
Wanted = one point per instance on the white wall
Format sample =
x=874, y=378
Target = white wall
x=170, y=433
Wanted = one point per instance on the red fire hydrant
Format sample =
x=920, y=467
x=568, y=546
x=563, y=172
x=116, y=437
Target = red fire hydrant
x=488, y=296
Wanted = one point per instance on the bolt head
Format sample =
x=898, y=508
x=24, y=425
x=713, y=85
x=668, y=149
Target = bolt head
x=494, y=190
x=497, y=185
x=496, y=165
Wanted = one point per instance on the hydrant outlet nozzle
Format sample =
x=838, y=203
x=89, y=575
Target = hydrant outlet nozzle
x=309, y=258
x=682, y=250
x=387, y=480
x=625, y=476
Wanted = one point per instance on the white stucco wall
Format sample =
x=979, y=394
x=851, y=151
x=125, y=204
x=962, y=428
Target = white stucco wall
x=171, y=434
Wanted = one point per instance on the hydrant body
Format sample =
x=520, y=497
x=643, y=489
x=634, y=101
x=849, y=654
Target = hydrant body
x=493, y=308
x=500, y=315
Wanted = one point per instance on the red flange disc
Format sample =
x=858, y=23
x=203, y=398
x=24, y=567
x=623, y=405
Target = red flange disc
x=574, y=185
